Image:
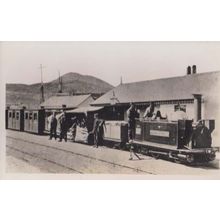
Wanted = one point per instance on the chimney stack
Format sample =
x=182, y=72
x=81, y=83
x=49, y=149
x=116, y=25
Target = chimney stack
x=194, y=69
x=197, y=106
x=188, y=70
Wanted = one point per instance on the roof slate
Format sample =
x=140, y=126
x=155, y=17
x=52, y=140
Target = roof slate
x=69, y=101
x=175, y=88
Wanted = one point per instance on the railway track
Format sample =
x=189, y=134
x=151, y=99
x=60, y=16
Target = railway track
x=50, y=161
x=136, y=170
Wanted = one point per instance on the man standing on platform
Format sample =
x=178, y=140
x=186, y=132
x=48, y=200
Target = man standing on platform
x=53, y=127
x=132, y=115
x=63, y=127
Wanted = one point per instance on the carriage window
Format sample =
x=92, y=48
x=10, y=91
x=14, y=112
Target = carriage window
x=17, y=115
x=35, y=116
x=9, y=114
x=30, y=116
x=26, y=115
x=13, y=115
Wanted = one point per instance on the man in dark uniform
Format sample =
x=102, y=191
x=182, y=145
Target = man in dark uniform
x=53, y=127
x=132, y=115
x=94, y=131
x=63, y=127
x=98, y=131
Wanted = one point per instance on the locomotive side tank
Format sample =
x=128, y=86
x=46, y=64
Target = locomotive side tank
x=175, y=139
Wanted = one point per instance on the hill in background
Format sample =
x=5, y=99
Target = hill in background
x=73, y=83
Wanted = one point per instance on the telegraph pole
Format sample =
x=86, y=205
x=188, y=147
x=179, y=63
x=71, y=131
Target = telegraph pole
x=60, y=89
x=42, y=85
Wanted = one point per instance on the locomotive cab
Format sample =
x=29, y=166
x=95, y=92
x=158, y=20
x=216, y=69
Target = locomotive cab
x=201, y=134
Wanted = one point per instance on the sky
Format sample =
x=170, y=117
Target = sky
x=109, y=61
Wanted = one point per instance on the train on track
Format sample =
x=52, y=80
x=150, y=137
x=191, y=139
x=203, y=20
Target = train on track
x=176, y=140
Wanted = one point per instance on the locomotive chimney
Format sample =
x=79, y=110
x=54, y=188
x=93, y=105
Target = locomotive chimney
x=197, y=106
x=194, y=69
x=188, y=70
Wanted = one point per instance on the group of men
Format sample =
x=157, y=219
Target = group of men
x=97, y=132
x=63, y=127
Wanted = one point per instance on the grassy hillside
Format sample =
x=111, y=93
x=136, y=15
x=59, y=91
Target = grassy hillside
x=72, y=83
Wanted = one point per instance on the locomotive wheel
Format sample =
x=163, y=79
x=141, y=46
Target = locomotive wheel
x=139, y=150
x=177, y=161
x=155, y=155
x=189, y=158
x=146, y=151
x=210, y=157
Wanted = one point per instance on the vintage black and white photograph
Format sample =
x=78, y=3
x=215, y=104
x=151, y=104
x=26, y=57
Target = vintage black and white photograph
x=104, y=107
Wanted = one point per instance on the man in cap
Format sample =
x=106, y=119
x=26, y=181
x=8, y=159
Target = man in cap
x=53, y=127
x=63, y=127
x=132, y=115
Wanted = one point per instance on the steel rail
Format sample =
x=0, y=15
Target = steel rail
x=50, y=161
x=85, y=156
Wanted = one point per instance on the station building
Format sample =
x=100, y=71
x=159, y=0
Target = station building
x=198, y=94
x=64, y=101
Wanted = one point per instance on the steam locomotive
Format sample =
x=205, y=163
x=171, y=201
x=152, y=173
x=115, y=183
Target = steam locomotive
x=176, y=140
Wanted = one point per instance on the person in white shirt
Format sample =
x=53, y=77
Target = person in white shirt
x=149, y=111
x=179, y=114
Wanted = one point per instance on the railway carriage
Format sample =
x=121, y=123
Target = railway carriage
x=15, y=119
x=34, y=121
x=116, y=133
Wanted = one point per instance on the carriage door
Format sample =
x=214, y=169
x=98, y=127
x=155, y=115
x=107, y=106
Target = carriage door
x=17, y=120
x=26, y=121
x=30, y=121
x=35, y=122
x=9, y=119
x=13, y=120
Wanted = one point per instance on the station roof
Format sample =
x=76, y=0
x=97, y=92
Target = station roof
x=67, y=100
x=166, y=89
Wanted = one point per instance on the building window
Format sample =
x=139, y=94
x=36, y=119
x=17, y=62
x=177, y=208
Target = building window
x=167, y=102
x=13, y=115
x=179, y=107
x=30, y=116
x=9, y=114
x=26, y=115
